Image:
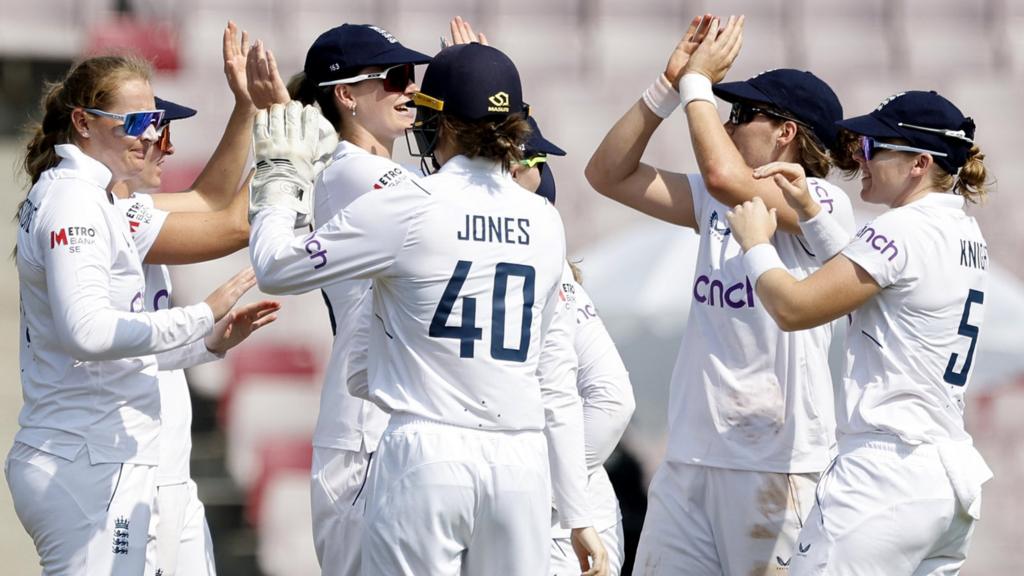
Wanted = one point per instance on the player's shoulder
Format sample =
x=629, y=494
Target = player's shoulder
x=355, y=168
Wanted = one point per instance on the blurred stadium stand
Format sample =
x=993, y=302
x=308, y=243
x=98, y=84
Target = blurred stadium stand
x=583, y=62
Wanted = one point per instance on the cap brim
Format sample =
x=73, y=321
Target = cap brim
x=868, y=125
x=736, y=91
x=540, y=145
x=174, y=111
x=398, y=55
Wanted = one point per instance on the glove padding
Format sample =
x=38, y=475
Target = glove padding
x=325, y=147
x=285, y=144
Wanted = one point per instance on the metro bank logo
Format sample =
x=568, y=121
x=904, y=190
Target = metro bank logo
x=879, y=242
x=714, y=292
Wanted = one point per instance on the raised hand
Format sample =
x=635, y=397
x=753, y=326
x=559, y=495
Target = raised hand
x=718, y=50
x=224, y=297
x=235, y=53
x=238, y=324
x=752, y=223
x=691, y=40
x=791, y=179
x=285, y=144
x=462, y=33
x=264, y=81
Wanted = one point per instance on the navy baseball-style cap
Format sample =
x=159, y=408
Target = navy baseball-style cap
x=796, y=92
x=344, y=50
x=471, y=82
x=173, y=111
x=538, y=144
x=924, y=119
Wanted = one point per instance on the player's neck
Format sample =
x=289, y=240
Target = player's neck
x=362, y=138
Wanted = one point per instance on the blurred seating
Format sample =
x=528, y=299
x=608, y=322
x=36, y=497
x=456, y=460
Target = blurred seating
x=272, y=394
x=279, y=508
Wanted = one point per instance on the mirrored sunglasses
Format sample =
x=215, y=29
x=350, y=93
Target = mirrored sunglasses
x=868, y=147
x=134, y=123
x=396, y=78
x=164, y=142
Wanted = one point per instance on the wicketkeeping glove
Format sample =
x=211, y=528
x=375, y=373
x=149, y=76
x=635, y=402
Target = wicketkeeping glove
x=285, y=141
x=325, y=147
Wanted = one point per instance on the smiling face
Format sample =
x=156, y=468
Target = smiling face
x=104, y=138
x=890, y=177
x=383, y=114
x=150, y=176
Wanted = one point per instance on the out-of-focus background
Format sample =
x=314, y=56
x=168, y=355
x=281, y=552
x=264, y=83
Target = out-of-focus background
x=583, y=63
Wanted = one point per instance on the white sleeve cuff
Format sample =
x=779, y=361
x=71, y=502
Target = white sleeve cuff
x=825, y=235
x=760, y=259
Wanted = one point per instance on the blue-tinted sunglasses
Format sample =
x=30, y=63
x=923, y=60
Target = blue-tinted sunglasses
x=869, y=145
x=135, y=123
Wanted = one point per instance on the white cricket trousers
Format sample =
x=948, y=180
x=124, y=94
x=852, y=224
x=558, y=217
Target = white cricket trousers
x=337, y=498
x=450, y=501
x=715, y=521
x=85, y=519
x=885, y=507
x=565, y=563
x=179, y=537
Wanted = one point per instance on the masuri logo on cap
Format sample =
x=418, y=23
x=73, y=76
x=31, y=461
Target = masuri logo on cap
x=499, y=102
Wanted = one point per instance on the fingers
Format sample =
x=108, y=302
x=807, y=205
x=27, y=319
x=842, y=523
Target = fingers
x=260, y=125
x=276, y=122
x=244, y=46
x=789, y=170
x=229, y=36
x=482, y=39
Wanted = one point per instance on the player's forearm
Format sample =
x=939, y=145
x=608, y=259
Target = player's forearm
x=604, y=421
x=619, y=154
x=218, y=183
x=726, y=174
x=186, y=356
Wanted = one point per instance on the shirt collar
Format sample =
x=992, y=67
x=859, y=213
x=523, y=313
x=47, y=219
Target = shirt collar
x=940, y=200
x=477, y=166
x=87, y=167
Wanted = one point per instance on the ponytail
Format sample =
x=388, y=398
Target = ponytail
x=499, y=140
x=970, y=181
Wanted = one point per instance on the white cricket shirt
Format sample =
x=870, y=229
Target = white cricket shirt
x=745, y=395
x=911, y=348
x=87, y=371
x=347, y=422
x=145, y=222
x=608, y=403
x=466, y=265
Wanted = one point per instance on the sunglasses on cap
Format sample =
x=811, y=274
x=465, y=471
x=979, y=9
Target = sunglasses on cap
x=869, y=145
x=396, y=78
x=134, y=123
x=743, y=113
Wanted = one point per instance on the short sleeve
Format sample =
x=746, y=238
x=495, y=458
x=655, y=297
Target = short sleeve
x=834, y=201
x=144, y=221
x=699, y=195
x=880, y=248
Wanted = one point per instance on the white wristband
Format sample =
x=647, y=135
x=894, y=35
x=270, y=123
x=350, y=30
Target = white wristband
x=760, y=259
x=695, y=86
x=661, y=97
x=825, y=236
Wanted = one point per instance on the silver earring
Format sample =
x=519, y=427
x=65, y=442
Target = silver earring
x=353, y=109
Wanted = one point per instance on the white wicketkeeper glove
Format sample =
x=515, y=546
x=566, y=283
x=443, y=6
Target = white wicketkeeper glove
x=325, y=146
x=285, y=141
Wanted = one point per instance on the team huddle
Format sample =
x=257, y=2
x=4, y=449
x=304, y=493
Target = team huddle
x=472, y=396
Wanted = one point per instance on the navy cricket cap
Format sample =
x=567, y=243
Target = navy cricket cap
x=344, y=50
x=538, y=144
x=471, y=82
x=173, y=111
x=796, y=92
x=925, y=120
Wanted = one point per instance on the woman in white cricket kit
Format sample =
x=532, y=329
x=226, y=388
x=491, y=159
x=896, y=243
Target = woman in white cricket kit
x=82, y=469
x=601, y=379
x=205, y=222
x=466, y=266
x=904, y=492
x=751, y=423
x=362, y=79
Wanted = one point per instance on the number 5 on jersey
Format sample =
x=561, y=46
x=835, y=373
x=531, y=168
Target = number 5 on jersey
x=467, y=332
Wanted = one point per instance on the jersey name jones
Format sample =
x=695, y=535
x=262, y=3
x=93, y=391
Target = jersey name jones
x=503, y=229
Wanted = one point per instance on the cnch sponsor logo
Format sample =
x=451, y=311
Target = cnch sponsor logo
x=713, y=292
x=879, y=242
x=316, y=252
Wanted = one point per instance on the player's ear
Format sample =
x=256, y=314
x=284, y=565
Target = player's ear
x=788, y=133
x=922, y=165
x=344, y=98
